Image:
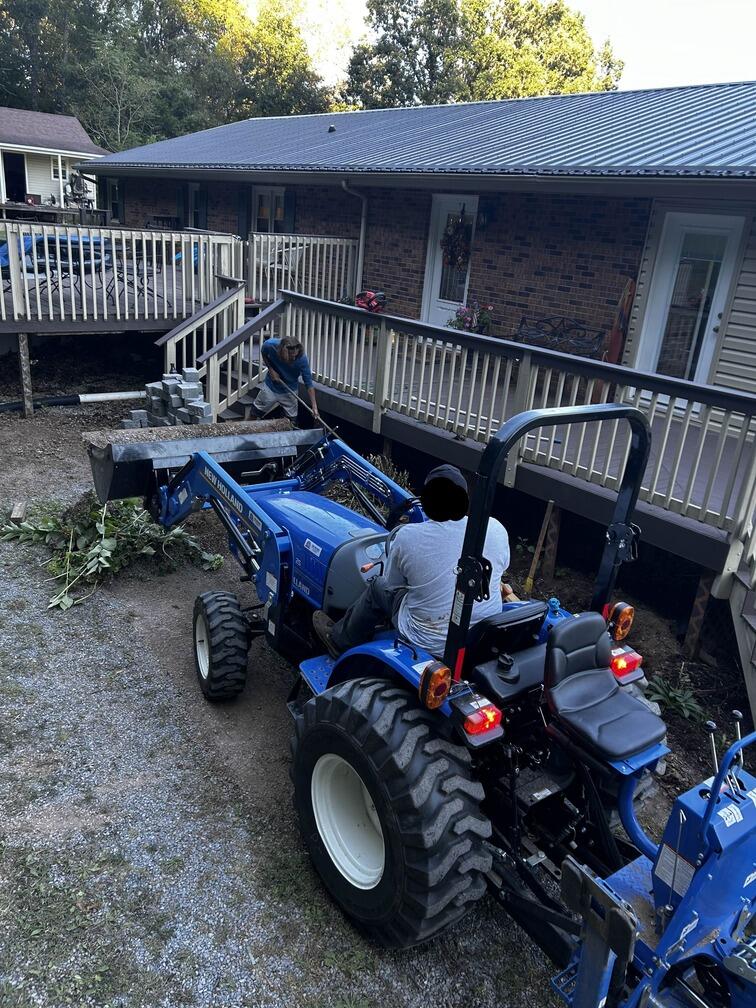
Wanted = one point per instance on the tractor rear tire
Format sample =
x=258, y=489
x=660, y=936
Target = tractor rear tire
x=221, y=642
x=389, y=810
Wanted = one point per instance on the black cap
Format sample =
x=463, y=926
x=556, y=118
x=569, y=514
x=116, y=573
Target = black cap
x=447, y=472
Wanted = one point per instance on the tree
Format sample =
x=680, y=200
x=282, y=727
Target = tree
x=415, y=58
x=431, y=51
x=42, y=43
x=122, y=114
x=277, y=76
x=140, y=70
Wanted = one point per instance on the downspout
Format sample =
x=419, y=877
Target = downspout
x=363, y=233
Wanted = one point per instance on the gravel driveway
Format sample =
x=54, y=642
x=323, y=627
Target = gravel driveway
x=149, y=854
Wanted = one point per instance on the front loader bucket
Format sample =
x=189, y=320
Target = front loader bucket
x=124, y=461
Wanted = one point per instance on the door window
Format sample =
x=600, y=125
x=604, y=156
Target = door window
x=697, y=271
x=453, y=280
x=268, y=209
x=693, y=271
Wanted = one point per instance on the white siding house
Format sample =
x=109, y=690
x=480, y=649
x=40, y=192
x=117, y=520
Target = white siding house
x=38, y=152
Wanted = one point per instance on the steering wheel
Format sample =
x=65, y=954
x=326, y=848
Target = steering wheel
x=398, y=515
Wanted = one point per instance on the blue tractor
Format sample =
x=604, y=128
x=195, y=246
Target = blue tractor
x=508, y=764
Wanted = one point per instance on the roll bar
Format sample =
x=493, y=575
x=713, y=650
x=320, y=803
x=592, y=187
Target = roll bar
x=474, y=571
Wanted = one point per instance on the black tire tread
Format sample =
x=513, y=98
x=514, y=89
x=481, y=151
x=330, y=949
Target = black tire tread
x=229, y=641
x=433, y=794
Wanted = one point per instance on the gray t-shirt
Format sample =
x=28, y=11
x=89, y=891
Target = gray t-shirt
x=424, y=556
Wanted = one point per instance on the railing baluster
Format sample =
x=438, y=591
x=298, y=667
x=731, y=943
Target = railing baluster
x=735, y=468
x=690, y=486
x=433, y=349
x=714, y=467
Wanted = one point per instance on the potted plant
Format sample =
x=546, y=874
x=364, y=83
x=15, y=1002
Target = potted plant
x=474, y=318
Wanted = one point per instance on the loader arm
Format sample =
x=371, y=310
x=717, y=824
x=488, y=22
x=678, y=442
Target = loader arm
x=252, y=532
x=332, y=461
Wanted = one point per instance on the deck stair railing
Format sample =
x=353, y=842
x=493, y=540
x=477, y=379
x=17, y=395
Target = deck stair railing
x=56, y=273
x=317, y=265
x=703, y=457
x=211, y=325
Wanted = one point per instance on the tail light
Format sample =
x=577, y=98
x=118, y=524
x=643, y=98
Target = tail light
x=435, y=683
x=476, y=718
x=626, y=664
x=484, y=719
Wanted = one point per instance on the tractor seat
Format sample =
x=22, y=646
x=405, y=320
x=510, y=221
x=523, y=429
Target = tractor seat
x=584, y=695
x=507, y=632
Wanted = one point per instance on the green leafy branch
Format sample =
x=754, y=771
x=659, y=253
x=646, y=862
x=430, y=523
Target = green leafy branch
x=90, y=543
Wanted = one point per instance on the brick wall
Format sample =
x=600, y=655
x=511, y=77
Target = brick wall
x=145, y=198
x=327, y=210
x=556, y=255
x=223, y=206
x=395, y=249
x=538, y=255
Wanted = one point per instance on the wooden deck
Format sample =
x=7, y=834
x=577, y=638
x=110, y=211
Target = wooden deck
x=68, y=279
x=105, y=302
x=447, y=393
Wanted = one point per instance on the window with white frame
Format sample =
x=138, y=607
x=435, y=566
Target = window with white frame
x=64, y=168
x=268, y=209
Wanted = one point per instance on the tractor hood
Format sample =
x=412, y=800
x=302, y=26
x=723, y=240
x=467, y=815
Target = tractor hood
x=317, y=527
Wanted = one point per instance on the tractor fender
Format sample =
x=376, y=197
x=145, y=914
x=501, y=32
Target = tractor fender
x=386, y=656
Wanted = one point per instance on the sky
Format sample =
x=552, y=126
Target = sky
x=663, y=42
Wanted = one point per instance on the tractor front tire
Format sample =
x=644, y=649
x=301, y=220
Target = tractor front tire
x=221, y=641
x=389, y=810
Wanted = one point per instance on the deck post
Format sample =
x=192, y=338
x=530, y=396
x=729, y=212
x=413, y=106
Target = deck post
x=519, y=405
x=24, y=370
x=15, y=259
x=380, y=391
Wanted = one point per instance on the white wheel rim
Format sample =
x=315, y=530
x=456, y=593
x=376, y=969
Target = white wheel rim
x=347, y=821
x=202, y=645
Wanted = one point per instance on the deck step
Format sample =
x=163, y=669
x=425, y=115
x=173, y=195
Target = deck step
x=232, y=413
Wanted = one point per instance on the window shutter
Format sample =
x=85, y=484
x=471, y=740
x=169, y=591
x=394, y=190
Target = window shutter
x=183, y=208
x=202, y=206
x=289, y=211
x=244, y=210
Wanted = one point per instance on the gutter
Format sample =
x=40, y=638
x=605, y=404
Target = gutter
x=363, y=233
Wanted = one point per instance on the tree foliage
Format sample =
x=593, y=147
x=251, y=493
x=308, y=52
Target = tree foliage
x=139, y=70
x=436, y=51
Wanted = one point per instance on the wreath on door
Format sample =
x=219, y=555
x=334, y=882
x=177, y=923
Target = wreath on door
x=455, y=241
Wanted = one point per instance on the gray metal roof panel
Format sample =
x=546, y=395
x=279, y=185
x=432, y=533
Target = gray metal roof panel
x=701, y=130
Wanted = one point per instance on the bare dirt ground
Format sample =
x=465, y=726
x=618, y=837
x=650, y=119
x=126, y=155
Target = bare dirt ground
x=149, y=854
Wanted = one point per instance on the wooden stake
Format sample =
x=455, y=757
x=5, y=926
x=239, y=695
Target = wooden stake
x=18, y=514
x=24, y=370
x=697, y=614
x=539, y=546
x=551, y=546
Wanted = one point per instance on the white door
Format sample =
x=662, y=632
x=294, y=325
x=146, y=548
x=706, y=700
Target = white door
x=694, y=268
x=445, y=286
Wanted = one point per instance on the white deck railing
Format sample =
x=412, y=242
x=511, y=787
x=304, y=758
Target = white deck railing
x=703, y=456
x=54, y=273
x=190, y=339
x=317, y=265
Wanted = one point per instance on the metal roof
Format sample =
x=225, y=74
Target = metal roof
x=697, y=131
x=24, y=128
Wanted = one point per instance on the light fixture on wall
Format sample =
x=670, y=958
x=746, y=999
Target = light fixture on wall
x=486, y=212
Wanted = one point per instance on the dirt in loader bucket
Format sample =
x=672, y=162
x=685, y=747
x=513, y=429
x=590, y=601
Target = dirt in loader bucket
x=124, y=462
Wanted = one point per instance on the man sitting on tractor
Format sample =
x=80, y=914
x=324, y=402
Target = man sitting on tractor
x=287, y=363
x=415, y=593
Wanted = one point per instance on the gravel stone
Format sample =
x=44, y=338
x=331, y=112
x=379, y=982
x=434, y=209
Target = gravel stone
x=149, y=854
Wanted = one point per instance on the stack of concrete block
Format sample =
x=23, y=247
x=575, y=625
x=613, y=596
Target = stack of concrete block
x=175, y=400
